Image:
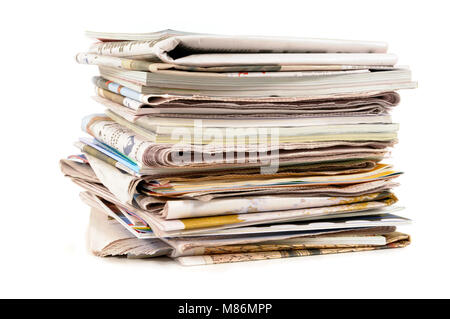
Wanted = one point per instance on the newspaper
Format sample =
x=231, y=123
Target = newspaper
x=165, y=187
x=222, y=66
x=78, y=170
x=219, y=71
x=139, y=147
x=121, y=184
x=277, y=83
x=171, y=228
x=235, y=101
x=338, y=45
x=218, y=148
x=158, y=227
x=175, y=209
x=126, y=184
x=159, y=224
x=126, y=189
x=107, y=238
x=216, y=50
x=399, y=80
x=162, y=125
x=131, y=110
x=395, y=240
x=253, y=131
x=292, y=70
x=190, y=246
x=326, y=168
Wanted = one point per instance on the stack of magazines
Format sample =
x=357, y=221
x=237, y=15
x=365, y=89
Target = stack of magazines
x=216, y=149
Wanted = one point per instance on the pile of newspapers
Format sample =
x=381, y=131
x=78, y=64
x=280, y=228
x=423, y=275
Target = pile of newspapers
x=216, y=149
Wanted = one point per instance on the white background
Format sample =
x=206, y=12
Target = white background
x=44, y=94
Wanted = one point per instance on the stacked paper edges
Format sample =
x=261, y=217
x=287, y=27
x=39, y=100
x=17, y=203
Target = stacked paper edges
x=217, y=149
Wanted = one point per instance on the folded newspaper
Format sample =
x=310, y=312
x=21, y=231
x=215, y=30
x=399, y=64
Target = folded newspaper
x=215, y=149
